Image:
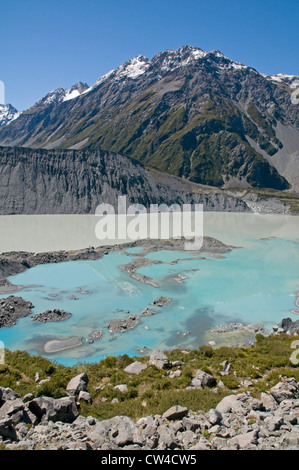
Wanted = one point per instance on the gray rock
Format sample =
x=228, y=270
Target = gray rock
x=192, y=423
x=161, y=301
x=274, y=422
x=175, y=412
x=91, y=420
x=177, y=363
x=243, y=440
x=8, y=394
x=291, y=418
x=238, y=422
x=226, y=368
x=50, y=409
x=231, y=404
x=187, y=438
x=214, y=416
x=82, y=421
x=291, y=439
x=147, y=312
x=121, y=430
x=94, y=336
x=123, y=388
x=77, y=384
x=11, y=407
x=287, y=325
x=159, y=359
x=285, y=390
x=98, y=435
x=174, y=374
x=202, y=379
x=85, y=396
x=167, y=439
x=219, y=443
x=135, y=368
x=27, y=397
x=268, y=401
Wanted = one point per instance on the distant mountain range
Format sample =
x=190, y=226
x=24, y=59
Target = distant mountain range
x=193, y=114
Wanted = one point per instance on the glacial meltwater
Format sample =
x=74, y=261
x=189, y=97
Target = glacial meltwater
x=255, y=282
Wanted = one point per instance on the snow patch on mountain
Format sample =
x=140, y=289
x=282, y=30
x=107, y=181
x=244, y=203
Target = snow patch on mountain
x=133, y=68
x=283, y=78
x=61, y=94
x=70, y=95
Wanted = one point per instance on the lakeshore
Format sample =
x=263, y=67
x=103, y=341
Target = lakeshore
x=111, y=289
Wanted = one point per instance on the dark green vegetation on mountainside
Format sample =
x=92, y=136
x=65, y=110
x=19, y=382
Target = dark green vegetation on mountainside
x=191, y=114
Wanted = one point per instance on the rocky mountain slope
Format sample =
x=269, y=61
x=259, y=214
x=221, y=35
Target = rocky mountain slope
x=38, y=181
x=193, y=114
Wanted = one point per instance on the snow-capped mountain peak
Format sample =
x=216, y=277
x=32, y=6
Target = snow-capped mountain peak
x=133, y=68
x=170, y=60
x=167, y=61
x=7, y=114
x=62, y=94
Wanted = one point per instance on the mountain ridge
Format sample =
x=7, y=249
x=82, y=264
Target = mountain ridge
x=190, y=113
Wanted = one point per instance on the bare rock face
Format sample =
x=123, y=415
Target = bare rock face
x=76, y=182
x=135, y=368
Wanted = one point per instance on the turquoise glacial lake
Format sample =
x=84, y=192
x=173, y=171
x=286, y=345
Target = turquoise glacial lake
x=256, y=282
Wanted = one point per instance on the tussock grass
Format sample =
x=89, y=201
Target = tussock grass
x=153, y=391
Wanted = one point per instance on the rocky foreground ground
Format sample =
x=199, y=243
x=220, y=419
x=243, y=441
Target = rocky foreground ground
x=238, y=422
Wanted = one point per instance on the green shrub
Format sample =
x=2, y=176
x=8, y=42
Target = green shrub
x=230, y=382
x=109, y=361
x=50, y=369
x=206, y=351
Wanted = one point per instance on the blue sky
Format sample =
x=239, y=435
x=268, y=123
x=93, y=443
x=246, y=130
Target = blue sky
x=46, y=44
